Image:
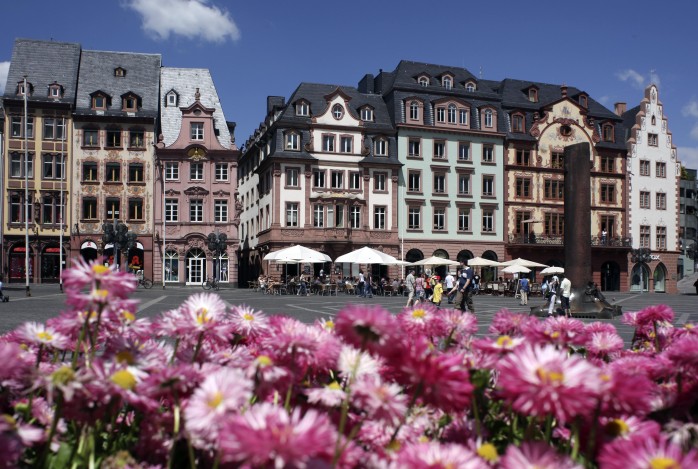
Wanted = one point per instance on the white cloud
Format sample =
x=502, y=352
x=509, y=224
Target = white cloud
x=694, y=131
x=688, y=156
x=188, y=18
x=654, y=78
x=605, y=100
x=4, y=69
x=636, y=80
x=690, y=109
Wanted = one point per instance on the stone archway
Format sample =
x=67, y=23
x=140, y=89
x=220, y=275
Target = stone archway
x=660, y=275
x=610, y=276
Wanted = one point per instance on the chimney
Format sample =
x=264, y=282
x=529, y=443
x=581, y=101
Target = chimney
x=563, y=90
x=620, y=108
x=366, y=84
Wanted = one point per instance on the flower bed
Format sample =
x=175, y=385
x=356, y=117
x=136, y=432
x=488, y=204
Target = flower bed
x=208, y=386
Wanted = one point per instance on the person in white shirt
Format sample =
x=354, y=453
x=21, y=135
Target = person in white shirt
x=409, y=285
x=449, y=286
x=566, y=287
x=553, y=285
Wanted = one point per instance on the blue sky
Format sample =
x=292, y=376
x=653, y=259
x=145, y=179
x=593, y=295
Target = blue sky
x=610, y=49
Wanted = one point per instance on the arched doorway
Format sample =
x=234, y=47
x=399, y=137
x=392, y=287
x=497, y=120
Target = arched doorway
x=110, y=255
x=17, y=263
x=489, y=274
x=135, y=258
x=441, y=270
x=640, y=278
x=464, y=256
x=414, y=255
x=51, y=263
x=195, y=267
x=88, y=251
x=660, y=278
x=610, y=276
x=171, y=266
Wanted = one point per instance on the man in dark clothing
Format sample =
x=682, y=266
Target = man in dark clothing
x=464, y=290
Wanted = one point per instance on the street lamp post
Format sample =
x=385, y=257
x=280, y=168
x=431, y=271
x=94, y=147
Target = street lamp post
x=118, y=234
x=217, y=246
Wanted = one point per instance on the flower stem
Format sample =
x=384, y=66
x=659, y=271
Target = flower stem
x=52, y=431
x=656, y=338
x=198, y=346
x=416, y=394
x=575, y=442
x=174, y=352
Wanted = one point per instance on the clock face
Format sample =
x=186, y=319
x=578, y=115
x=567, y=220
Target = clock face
x=196, y=153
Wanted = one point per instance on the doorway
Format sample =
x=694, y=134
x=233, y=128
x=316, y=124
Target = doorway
x=196, y=267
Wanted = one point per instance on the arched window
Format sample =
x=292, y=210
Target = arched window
x=488, y=118
x=171, y=266
x=451, y=113
x=423, y=81
x=414, y=110
x=337, y=111
x=470, y=86
x=447, y=82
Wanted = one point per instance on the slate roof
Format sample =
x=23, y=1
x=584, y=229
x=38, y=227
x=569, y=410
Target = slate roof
x=44, y=62
x=407, y=71
x=97, y=73
x=184, y=82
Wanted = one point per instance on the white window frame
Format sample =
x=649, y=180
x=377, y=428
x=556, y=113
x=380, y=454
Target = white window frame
x=196, y=210
x=292, y=214
x=328, y=143
x=379, y=182
x=414, y=218
x=338, y=111
x=488, y=186
x=464, y=219
x=489, y=118
x=488, y=221
x=171, y=171
x=337, y=179
x=380, y=147
x=439, y=219
x=292, y=177
x=355, y=217
x=197, y=131
x=379, y=218
x=171, y=210
x=220, y=211
x=354, y=180
x=292, y=141
x=222, y=171
x=319, y=178
x=366, y=114
x=346, y=144
x=318, y=216
x=196, y=171
x=439, y=183
x=464, y=184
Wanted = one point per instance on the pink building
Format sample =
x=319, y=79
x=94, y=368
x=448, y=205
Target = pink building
x=195, y=185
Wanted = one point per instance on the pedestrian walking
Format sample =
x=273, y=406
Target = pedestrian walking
x=361, y=287
x=464, y=290
x=438, y=291
x=524, y=288
x=566, y=290
x=409, y=285
x=419, y=289
x=553, y=287
x=449, y=286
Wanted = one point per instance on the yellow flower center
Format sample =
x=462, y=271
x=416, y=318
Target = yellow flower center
x=504, y=341
x=100, y=269
x=100, y=294
x=216, y=400
x=617, y=427
x=128, y=316
x=418, y=313
x=394, y=446
x=264, y=360
x=550, y=377
x=44, y=336
x=202, y=316
x=334, y=385
x=664, y=463
x=124, y=379
x=62, y=375
x=488, y=452
x=689, y=325
x=329, y=324
x=555, y=334
x=125, y=356
x=248, y=317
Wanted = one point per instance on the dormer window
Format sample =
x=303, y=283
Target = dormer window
x=654, y=120
x=414, y=111
x=129, y=102
x=380, y=147
x=119, y=72
x=99, y=102
x=517, y=122
x=302, y=108
x=55, y=90
x=337, y=111
x=20, y=88
x=607, y=132
x=367, y=114
x=533, y=95
x=423, y=81
x=171, y=99
x=583, y=101
x=447, y=82
x=489, y=118
x=470, y=86
x=292, y=141
x=452, y=113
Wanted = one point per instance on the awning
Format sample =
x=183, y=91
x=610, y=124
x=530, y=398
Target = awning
x=88, y=245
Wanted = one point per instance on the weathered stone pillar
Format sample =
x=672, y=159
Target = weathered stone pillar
x=577, y=244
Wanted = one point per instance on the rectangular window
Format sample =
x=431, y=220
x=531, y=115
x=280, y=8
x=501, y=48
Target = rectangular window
x=221, y=171
x=113, y=173
x=380, y=147
x=439, y=219
x=328, y=143
x=89, y=208
x=53, y=166
x=661, y=238
x=463, y=219
x=439, y=149
x=487, y=153
x=51, y=209
x=135, y=172
x=554, y=189
x=554, y=224
x=90, y=138
x=354, y=180
x=607, y=164
x=319, y=178
x=379, y=218
x=17, y=127
x=379, y=182
x=113, y=138
x=355, y=217
x=196, y=210
x=463, y=117
x=523, y=187
x=440, y=114
x=644, y=199
x=661, y=201
x=414, y=183
x=292, y=177
x=136, y=139
x=487, y=221
x=608, y=193
x=89, y=172
x=644, y=168
x=112, y=208
x=54, y=128
x=463, y=151
x=608, y=222
x=292, y=214
x=414, y=218
x=523, y=157
x=652, y=140
x=16, y=209
x=414, y=147
x=337, y=179
x=517, y=123
x=171, y=210
x=439, y=183
x=171, y=171
x=17, y=168
x=645, y=236
x=339, y=216
x=292, y=141
x=488, y=186
x=135, y=209
x=660, y=169
x=220, y=211
x=347, y=144
x=464, y=184
x=318, y=216
x=197, y=131
x=196, y=171
x=557, y=160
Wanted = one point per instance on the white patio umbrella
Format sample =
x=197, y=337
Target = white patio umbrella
x=516, y=269
x=552, y=270
x=296, y=254
x=523, y=262
x=367, y=255
x=435, y=261
x=482, y=262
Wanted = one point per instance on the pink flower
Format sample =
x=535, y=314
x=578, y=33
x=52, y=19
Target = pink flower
x=38, y=334
x=331, y=395
x=93, y=275
x=508, y=323
x=541, y=381
x=603, y=343
x=535, y=455
x=646, y=453
x=626, y=393
x=652, y=314
x=268, y=436
x=435, y=455
x=459, y=325
x=221, y=394
x=368, y=327
x=499, y=346
x=560, y=331
x=683, y=353
x=628, y=427
x=15, y=363
x=247, y=322
x=422, y=320
x=380, y=401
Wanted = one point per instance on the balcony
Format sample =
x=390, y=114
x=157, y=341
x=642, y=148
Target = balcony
x=558, y=240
